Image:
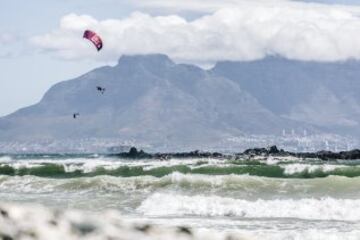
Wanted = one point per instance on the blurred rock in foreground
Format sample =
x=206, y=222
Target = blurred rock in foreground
x=35, y=222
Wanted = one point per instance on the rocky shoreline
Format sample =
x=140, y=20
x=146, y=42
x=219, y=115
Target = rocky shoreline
x=18, y=222
x=134, y=153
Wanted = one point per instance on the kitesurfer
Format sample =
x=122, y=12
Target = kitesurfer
x=101, y=89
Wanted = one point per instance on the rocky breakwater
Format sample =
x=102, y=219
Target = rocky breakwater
x=134, y=153
x=34, y=222
x=249, y=153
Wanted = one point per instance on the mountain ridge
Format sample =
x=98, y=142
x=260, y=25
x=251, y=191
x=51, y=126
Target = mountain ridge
x=152, y=99
x=322, y=94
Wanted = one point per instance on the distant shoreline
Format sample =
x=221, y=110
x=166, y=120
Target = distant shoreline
x=134, y=153
x=272, y=151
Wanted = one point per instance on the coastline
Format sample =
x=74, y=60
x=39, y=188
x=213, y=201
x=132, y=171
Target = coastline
x=273, y=151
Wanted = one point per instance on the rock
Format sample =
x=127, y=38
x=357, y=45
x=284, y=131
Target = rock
x=256, y=151
x=273, y=150
x=328, y=155
x=135, y=154
x=32, y=222
x=353, y=154
x=4, y=213
x=5, y=237
x=185, y=230
x=143, y=228
x=270, y=151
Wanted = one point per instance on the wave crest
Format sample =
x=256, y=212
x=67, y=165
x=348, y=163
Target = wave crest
x=310, y=209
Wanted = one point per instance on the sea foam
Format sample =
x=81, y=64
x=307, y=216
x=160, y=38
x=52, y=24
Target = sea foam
x=316, y=209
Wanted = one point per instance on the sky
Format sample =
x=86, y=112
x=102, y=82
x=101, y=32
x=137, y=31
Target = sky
x=41, y=40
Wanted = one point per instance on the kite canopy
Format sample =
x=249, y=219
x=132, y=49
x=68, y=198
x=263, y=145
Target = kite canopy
x=94, y=38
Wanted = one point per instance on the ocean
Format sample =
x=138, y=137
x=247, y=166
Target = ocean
x=260, y=198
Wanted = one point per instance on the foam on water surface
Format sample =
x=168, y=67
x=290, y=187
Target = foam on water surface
x=312, y=209
x=264, y=198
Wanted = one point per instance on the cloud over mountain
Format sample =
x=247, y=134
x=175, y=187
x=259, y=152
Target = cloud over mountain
x=195, y=5
x=251, y=30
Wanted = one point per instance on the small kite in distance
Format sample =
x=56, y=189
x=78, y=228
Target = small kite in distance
x=94, y=38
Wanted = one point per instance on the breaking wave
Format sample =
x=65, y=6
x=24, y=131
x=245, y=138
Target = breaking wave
x=240, y=186
x=310, y=208
x=69, y=170
x=268, y=198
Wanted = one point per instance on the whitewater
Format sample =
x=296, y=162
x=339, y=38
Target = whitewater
x=258, y=198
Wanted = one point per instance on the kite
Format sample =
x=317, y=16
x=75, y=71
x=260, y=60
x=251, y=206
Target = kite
x=94, y=38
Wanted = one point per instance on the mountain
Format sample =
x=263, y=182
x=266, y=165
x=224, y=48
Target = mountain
x=147, y=98
x=152, y=100
x=321, y=94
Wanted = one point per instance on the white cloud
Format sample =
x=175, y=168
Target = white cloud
x=189, y=5
x=248, y=31
x=7, y=38
x=197, y=5
x=212, y=5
